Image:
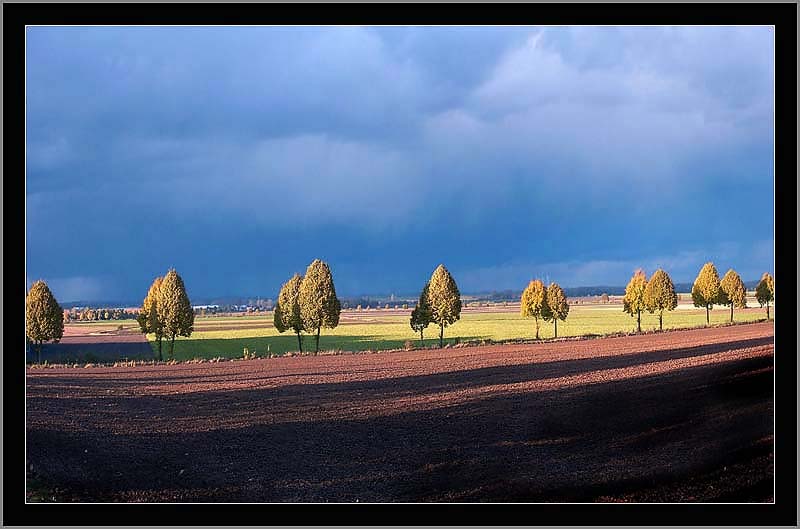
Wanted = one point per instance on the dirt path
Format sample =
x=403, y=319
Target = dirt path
x=678, y=416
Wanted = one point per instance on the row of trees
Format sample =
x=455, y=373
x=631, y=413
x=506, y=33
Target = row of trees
x=708, y=290
x=548, y=304
x=166, y=311
x=440, y=303
x=308, y=303
x=658, y=293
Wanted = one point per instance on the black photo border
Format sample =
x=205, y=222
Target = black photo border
x=782, y=16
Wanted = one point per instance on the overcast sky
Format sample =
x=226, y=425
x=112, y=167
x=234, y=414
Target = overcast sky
x=238, y=155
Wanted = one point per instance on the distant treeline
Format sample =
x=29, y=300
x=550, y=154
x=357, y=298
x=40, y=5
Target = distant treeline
x=239, y=304
x=573, y=292
x=225, y=304
x=260, y=306
x=376, y=301
x=580, y=292
x=99, y=313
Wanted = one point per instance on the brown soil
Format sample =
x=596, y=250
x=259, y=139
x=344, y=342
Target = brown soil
x=676, y=416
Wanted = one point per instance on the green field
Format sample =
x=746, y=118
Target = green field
x=377, y=331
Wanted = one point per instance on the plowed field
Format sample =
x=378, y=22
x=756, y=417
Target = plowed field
x=674, y=416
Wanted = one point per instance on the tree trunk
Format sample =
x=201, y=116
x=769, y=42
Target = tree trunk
x=731, y=311
x=317, y=342
x=707, y=317
x=421, y=339
x=39, y=350
x=537, y=328
x=660, y=320
x=639, y=321
x=767, y=310
x=299, y=341
x=172, y=347
x=555, y=327
x=441, y=336
x=160, y=357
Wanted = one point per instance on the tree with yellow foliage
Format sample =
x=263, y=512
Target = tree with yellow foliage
x=319, y=306
x=633, y=301
x=706, y=289
x=444, y=300
x=732, y=291
x=556, y=308
x=659, y=295
x=534, y=302
x=149, y=323
x=765, y=291
x=44, y=317
x=287, y=309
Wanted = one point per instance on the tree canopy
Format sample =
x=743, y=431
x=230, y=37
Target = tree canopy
x=556, y=307
x=174, y=309
x=444, y=300
x=44, y=317
x=534, y=302
x=148, y=319
x=287, y=309
x=421, y=316
x=319, y=306
x=765, y=291
x=633, y=301
x=659, y=295
x=732, y=291
x=706, y=289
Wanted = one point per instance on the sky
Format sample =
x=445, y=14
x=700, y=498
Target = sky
x=237, y=155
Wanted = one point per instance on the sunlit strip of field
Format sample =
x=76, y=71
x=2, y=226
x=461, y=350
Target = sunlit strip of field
x=375, y=331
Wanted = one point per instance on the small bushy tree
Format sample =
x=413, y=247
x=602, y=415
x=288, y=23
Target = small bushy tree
x=534, y=302
x=659, y=295
x=706, y=289
x=633, y=301
x=319, y=306
x=287, y=309
x=421, y=316
x=732, y=291
x=556, y=308
x=444, y=300
x=765, y=291
x=148, y=319
x=174, y=309
x=44, y=317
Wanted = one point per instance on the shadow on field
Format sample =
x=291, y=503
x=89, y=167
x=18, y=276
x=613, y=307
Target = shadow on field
x=403, y=386
x=572, y=444
x=188, y=348
x=65, y=353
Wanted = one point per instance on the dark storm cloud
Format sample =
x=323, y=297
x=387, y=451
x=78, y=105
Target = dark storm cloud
x=240, y=154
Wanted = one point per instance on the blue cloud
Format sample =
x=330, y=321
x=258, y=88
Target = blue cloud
x=240, y=154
